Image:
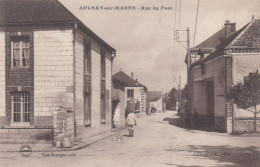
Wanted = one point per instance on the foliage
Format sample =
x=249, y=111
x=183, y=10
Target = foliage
x=171, y=98
x=246, y=95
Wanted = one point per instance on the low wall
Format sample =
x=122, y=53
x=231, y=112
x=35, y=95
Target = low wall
x=246, y=125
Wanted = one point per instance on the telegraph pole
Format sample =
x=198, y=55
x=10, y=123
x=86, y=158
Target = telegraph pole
x=188, y=61
x=180, y=91
x=188, y=58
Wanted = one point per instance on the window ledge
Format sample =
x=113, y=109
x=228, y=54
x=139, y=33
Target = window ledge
x=88, y=73
x=103, y=121
x=87, y=123
x=20, y=68
x=19, y=127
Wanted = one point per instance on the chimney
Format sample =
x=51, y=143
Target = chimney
x=132, y=74
x=230, y=28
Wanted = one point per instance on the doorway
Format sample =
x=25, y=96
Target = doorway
x=210, y=105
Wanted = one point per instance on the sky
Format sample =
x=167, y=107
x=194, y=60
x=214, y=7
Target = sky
x=144, y=39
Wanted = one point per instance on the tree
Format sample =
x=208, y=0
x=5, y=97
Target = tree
x=171, y=99
x=246, y=95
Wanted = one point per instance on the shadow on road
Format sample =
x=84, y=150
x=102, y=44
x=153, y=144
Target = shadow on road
x=180, y=122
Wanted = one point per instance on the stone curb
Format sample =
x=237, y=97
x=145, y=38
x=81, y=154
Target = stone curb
x=80, y=146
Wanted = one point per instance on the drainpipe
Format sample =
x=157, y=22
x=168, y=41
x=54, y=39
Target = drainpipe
x=74, y=80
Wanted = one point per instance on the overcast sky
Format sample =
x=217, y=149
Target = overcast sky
x=144, y=40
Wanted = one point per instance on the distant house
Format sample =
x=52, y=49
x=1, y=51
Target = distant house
x=154, y=100
x=49, y=58
x=217, y=63
x=132, y=90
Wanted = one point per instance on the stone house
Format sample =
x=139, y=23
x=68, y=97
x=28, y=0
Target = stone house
x=130, y=89
x=218, y=63
x=49, y=58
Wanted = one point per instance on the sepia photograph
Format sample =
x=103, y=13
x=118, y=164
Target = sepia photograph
x=129, y=83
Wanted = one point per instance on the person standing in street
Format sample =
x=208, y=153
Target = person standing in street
x=131, y=122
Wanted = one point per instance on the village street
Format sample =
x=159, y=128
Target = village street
x=159, y=140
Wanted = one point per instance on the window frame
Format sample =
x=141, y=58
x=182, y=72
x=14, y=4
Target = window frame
x=130, y=92
x=103, y=86
x=87, y=55
x=20, y=39
x=20, y=94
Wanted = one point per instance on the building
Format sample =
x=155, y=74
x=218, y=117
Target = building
x=218, y=63
x=118, y=103
x=154, y=100
x=50, y=59
x=132, y=90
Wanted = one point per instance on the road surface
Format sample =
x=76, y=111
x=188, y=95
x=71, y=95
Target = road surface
x=159, y=140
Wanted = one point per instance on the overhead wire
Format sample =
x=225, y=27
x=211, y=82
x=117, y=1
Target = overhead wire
x=179, y=24
x=196, y=22
x=174, y=45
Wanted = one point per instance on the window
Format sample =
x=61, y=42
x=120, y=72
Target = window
x=130, y=93
x=103, y=87
x=20, y=108
x=103, y=64
x=87, y=57
x=87, y=82
x=103, y=101
x=87, y=109
x=20, y=56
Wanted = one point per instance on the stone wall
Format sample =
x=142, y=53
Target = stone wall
x=96, y=127
x=2, y=78
x=53, y=72
x=79, y=77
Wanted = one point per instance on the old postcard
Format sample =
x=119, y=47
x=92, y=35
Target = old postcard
x=143, y=83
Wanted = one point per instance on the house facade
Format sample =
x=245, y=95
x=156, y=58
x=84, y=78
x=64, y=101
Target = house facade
x=132, y=89
x=154, y=100
x=118, y=103
x=219, y=62
x=51, y=59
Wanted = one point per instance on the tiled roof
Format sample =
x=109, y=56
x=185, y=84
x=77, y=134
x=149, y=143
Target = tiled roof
x=153, y=96
x=40, y=12
x=26, y=11
x=127, y=80
x=209, y=44
x=226, y=44
x=249, y=39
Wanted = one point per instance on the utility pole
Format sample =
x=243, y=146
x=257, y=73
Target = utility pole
x=188, y=58
x=180, y=91
x=188, y=61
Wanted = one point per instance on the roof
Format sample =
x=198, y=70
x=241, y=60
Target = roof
x=39, y=12
x=249, y=39
x=209, y=44
x=245, y=38
x=127, y=80
x=153, y=96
